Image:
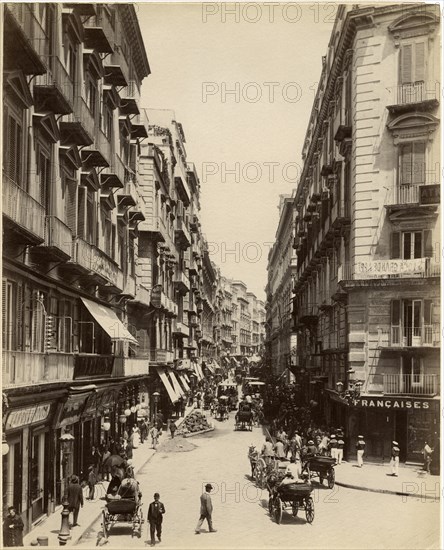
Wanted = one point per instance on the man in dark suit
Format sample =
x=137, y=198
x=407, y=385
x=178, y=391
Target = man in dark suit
x=155, y=516
x=75, y=498
x=206, y=510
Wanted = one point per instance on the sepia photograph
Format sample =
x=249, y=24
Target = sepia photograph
x=221, y=273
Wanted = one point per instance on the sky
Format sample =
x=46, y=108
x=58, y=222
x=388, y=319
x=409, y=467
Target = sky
x=241, y=79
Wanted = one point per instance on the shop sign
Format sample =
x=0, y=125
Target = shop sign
x=28, y=416
x=429, y=194
x=390, y=403
x=385, y=268
x=156, y=295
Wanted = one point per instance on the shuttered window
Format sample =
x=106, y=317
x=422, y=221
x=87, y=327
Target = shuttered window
x=412, y=163
x=411, y=244
x=13, y=147
x=412, y=66
x=81, y=213
x=44, y=176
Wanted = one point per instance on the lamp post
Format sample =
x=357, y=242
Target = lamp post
x=156, y=396
x=66, y=444
x=5, y=446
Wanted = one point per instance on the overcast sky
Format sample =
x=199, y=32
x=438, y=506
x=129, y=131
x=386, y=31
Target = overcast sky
x=242, y=85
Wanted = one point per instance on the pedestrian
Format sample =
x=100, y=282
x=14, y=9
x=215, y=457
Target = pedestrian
x=206, y=510
x=12, y=529
x=154, y=433
x=75, y=498
x=173, y=428
x=360, y=446
x=312, y=449
x=92, y=480
x=279, y=450
x=267, y=451
x=155, y=517
x=340, y=449
x=427, y=454
x=333, y=445
x=394, y=461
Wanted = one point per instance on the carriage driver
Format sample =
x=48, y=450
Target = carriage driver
x=293, y=473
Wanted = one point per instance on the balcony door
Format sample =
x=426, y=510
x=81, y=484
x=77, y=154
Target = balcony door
x=412, y=322
x=412, y=374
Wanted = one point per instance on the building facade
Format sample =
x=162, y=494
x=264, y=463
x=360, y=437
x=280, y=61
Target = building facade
x=367, y=290
x=281, y=270
x=71, y=132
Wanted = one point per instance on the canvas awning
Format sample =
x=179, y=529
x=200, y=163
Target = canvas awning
x=168, y=386
x=184, y=381
x=177, y=388
x=199, y=371
x=109, y=321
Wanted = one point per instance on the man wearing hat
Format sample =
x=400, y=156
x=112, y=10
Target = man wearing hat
x=312, y=450
x=394, y=462
x=155, y=517
x=340, y=448
x=360, y=446
x=206, y=510
x=333, y=447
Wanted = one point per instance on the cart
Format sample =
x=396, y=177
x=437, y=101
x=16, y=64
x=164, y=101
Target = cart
x=244, y=418
x=127, y=509
x=295, y=497
x=321, y=467
x=222, y=409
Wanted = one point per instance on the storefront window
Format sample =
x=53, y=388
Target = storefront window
x=420, y=429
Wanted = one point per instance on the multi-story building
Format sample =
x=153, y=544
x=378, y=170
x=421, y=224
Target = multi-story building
x=367, y=292
x=209, y=285
x=241, y=319
x=281, y=271
x=72, y=127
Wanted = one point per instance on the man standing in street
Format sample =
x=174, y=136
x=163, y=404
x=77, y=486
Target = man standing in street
x=340, y=449
x=206, y=510
x=75, y=498
x=394, y=462
x=360, y=446
x=155, y=517
x=334, y=447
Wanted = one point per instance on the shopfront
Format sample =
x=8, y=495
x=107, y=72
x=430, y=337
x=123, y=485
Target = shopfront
x=27, y=467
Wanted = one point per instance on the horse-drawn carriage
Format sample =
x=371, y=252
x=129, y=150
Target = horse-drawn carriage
x=293, y=496
x=244, y=417
x=123, y=507
x=222, y=409
x=321, y=467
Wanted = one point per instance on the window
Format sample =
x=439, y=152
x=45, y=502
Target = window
x=107, y=121
x=13, y=145
x=90, y=218
x=44, y=176
x=409, y=245
x=69, y=192
x=70, y=59
x=412, y=66
x=91, y=95
x=412, y=163
x=411, y=322
x=106, y=231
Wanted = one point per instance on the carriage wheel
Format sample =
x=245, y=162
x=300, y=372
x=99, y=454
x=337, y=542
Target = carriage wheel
x=331, y=478
x=295, y=508
x=105, y=525
x=270, y=505
x=309, y=510
x=251, y=425
x=277, y=504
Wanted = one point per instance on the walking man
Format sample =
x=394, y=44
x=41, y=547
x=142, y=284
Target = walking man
x=206, y=510
x=75, y=498
x=334, y=447
x=427, y=453
x=360, y=446
x=154, y=432
x=155, y=517
x=173, y=428
x=340, y=449
x=394, y=462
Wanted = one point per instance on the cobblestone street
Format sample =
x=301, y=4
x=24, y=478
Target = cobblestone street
x=240, y=509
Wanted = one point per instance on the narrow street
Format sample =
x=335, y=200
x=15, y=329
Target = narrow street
x=342, y=516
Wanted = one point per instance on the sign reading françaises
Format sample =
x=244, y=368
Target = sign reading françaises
x=391, y=403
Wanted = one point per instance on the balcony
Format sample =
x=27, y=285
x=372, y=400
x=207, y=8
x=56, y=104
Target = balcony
x=129, y=286
x=22, y=368
x=414, y=96
x=180, y=329
x=103, y=145
x=131, y=366
x=183, y=236
x=128, y=195
x=425, y=336
x=161, y=356
x=25, y=40
x=116, y=69
x=156, y=226
x=58, y=240
x=340, y=213
x=182, y=282
x=93, y=366
x=130, y=96
x=194, y=320
x=114, y=177
x=142, y=296
x=99, y=33
x=78, y=128
x=54, y=90
x=404, y=384
x=23, y=216
x=389, y=270
x=422, y=199
x=307, y=314
x=139, y=126
x=96, y=264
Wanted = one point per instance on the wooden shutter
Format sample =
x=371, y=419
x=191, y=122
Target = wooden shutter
x=406, y=164
x=420, y=62
x=395, y=252
x=19, y=306
x=418, y=162
x=405, y=67
x=81, y=212
x=428, y=243
x=5, y=319
x=428, y=312
x=71, y=204
x=395, y=321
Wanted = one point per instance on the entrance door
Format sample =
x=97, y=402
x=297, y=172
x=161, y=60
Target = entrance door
x=37, y=476
x=12, y=476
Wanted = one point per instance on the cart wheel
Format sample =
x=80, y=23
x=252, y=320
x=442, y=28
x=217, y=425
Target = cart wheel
x=270, y=505
x=277, y=504
x=331, y=478
x=104, y=525
x=309, y=510
x=295, y=508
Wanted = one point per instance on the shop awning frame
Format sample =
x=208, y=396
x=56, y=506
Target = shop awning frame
x=109, y=321
x=167, y=384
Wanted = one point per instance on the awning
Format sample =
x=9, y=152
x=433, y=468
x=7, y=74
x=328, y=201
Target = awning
x=182, y=378
x=254, y=359
x=179, y=391
x=235, y=362
x=166, y=382
x=185, y=375
x=200, y=374
x=210, y=366
x=109, y=321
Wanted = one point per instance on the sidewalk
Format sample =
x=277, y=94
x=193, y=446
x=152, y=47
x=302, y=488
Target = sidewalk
x=91, y=510
x=411, y=480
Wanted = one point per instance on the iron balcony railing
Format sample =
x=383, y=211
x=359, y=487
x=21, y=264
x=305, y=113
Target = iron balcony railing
x=58, y=77
x=58, y=235
x=25, y=17
x=404, y=384
x=22, y=368
x=389, y=269
x=427, y=335
x=415, y=92
x=23, y=209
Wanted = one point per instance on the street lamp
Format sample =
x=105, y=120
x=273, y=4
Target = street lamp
x=106, y=424
x=156, y=396
x=66, y=445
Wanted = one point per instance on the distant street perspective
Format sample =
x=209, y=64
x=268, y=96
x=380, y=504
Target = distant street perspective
x=221, y=275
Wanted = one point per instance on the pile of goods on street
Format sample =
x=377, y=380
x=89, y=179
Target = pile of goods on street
x=195, y=422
